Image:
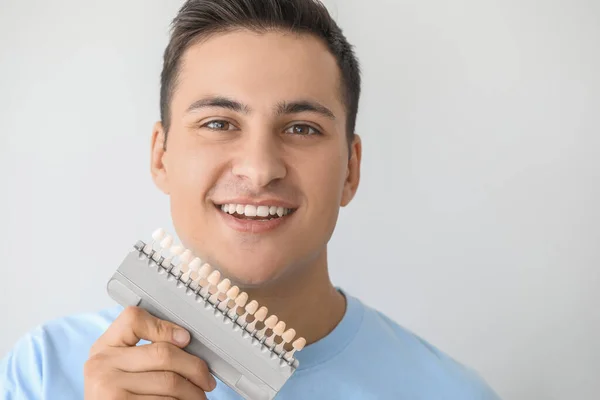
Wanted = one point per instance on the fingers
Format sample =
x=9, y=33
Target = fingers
x=135, y=324
x=133, y=396
x=163, y=357
x=158, y=383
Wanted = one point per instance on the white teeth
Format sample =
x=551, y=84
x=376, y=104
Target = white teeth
x=233, y=292
x=250, y=211
x=166, y=242
x=214, y=278
x=195, y=264
x=262, y=211
x=177, y=250
x=158, y=234
x=186, y=256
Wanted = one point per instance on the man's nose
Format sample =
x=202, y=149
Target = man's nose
x=259, y=160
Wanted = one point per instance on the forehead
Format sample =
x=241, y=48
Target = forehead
x=259, y=69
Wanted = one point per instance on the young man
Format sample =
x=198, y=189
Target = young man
x=258, y=107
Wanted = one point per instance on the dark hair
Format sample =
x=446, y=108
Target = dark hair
x=198, y=19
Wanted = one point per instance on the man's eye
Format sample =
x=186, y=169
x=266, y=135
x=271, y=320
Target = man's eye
x=219, y=125
x=303, y=130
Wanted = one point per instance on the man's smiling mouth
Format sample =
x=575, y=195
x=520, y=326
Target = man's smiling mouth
x=256, y=213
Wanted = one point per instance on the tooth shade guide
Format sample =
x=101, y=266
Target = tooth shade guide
x=186, y=256
x=297, y=345
x=249, y=318
x=279, y=328
x=258, y=326
x=232, y=338
x=284, y=340
x=183, y=267
x=220, y=289
x=270, y=328
x=166, y=242
x=249, y=310
x=239, y=304
x=266, y=330
x=226, y=304
x=258, y=317
x=229, y=301
x=176, y=250
x=157, y=236
x=276, y=331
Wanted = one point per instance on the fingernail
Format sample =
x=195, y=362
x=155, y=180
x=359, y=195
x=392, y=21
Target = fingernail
x=181, y=336
x=213, y=382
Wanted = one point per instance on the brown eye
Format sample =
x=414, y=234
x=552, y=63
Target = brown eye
x=219, y=125
x=302, y=130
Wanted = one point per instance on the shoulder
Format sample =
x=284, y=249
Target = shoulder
x=52, y=353
x=419, y=360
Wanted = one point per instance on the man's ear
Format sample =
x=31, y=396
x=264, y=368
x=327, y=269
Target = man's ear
x=353, y=172
x=158, y=167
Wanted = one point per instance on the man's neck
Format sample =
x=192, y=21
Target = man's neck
x=306, y=301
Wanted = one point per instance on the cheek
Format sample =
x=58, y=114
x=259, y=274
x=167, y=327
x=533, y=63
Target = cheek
x=192, y=170
x=189, y=170
x=324, y=180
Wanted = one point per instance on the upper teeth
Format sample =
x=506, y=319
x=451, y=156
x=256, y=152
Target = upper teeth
x=254, y=211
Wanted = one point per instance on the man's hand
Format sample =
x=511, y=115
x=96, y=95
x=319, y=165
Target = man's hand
x=118, y=369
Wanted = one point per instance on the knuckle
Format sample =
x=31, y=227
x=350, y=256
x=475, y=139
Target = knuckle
x=201, y=367
x=164, y=354
x=131, y=313
x=93, y=365
x=162, y=329
x=170, y=380
x=100, y=382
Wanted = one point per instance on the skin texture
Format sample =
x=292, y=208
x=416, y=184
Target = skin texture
x=218, y=155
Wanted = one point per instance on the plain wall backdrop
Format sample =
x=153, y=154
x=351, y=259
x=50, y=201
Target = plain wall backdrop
x=476, y=224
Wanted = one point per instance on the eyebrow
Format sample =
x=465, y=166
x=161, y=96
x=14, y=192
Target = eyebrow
x=282, y=108
x=296, y=107
x=220, y=102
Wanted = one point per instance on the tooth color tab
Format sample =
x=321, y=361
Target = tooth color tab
x=166, y=242
x=158, y=234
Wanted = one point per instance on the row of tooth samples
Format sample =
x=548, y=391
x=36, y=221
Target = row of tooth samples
x=253, y=211
x=227, y=298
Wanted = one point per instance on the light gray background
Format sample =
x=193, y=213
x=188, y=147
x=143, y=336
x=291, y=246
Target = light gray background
x=476, y=224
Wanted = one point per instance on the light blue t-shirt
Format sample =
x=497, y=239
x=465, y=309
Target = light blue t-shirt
x=367, y=357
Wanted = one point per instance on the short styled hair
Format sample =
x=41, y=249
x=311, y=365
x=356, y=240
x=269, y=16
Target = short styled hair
x=199, y=19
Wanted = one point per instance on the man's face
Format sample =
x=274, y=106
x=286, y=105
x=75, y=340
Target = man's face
x=257, y=163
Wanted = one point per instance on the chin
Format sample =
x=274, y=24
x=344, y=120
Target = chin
x=252, y=271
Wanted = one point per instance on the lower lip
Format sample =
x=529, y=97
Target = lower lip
x=253, y=226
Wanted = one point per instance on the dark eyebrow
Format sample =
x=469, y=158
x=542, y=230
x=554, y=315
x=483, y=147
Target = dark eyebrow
x=282, y=108
x=295, y=107
x=219, y=101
